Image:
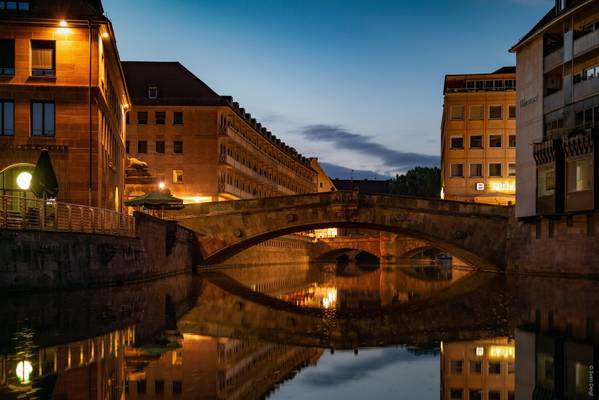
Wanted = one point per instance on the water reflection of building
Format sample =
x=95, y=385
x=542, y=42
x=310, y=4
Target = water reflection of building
x=479, y=369
x=213, y=368
x=89, y=368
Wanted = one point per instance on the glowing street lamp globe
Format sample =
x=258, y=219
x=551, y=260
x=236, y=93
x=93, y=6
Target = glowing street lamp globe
x=24, y=180
x=24, y=370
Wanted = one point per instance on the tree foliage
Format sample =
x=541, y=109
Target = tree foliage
x=419, y=181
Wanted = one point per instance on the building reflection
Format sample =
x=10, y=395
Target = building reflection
x=478, y=369
x=213, y=368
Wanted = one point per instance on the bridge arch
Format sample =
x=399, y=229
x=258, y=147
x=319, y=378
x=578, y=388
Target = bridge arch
x=332, y=254
x=475, y=233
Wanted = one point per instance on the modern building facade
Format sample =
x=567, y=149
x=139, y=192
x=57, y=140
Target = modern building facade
x=62, y=89
x=478, y=137
x=202, y=146
x=558, y=111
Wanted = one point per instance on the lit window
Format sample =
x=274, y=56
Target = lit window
x=178, y=147
x=7, y=118
x=42, y=118
x=457, y=142
x=494, y=140
x=457, y=170
x=43, y=58
x=177, y=176
x=7, y=57
x=477, y=113
x=476, y=142
x=457, y=113
x=152, y=92
x=160, y=117
x=580, y=174
x=178, y=118
x=495, y=112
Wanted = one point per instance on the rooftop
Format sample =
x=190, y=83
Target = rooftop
x=57, y=9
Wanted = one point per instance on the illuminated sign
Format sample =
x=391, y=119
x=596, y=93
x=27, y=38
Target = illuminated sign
x=505, y=186
x=480, y=186
x=480, y=351
x=502, y=352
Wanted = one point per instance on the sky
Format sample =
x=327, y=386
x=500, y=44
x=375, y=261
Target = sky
x=357, y=84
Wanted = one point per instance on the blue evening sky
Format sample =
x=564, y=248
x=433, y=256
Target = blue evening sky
x=356, y=83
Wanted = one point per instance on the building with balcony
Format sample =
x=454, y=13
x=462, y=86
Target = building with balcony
x=478, y=137
x=558, y=112
x=62, y=89
x=203, y=146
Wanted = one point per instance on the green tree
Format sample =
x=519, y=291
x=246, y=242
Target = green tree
x=419, y=181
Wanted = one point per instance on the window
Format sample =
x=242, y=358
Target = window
x=160, y=117
x=457, y=170
x=14, y=5
x=457, y=142
x=160, y=146
x=511, y=114
x=511, y=141
x=476, y=367
x=7, y=118
x=142, y=146
x=141, y=386
x=494, y=369
x=128, y=117
x=495, y=169
x=42, y=118
x=456, y=394
x=177, y=176
x=476, y=170
x=580, y=174
x=546, y=182
x=495, y=112
x=457, y=113
x=43, y=58
x=476, y=142
x=178, y=147
x=494, y=140
x=511, y=169
x=456, y=366
x=152, y=92
x=177, y=386
x=511, y=396
x=127, y=146
x=7, y=57
x=475, y=394
x=511, y=367
x=477, y=113
x=142, y=117
x=178, y=118
x=494, y=395
x=158, y=386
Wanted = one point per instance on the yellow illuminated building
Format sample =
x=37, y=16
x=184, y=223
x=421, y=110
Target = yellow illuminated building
x=478, y=137
x=478, y=369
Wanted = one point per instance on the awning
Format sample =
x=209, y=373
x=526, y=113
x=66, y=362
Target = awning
x=156, y=201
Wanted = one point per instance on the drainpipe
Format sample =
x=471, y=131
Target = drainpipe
x=89, y=93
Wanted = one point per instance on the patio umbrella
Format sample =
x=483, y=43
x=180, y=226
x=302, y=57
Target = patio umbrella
x=43, y=181
x=156, y=201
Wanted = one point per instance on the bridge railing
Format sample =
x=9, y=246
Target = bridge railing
x=48, y=215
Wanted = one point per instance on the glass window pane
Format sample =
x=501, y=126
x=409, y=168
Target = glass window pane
x=8, y=122
x=36, y=119
x=49, y=119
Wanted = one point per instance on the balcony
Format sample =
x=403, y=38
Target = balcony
x=586, y=88
x=250, y=173
x=586, y=43
x=553, y=60
x=553, y=101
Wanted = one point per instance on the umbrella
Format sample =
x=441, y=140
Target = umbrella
x=43, y=182
x=156, y=201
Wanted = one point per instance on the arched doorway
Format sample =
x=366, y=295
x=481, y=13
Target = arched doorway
x=15, y=180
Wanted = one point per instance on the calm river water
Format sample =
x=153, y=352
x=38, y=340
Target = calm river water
x=307, y=332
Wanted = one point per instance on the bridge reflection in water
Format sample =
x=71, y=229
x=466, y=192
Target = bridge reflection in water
x=251, y=332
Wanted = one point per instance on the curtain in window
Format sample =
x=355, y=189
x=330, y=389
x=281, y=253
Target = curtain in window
x=42, y=58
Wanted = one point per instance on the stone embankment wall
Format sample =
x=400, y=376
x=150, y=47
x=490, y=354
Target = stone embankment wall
x=34, y=260
x=564, y=246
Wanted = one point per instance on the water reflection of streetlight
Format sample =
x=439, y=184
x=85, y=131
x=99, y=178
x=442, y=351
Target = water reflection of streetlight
x=23, y=371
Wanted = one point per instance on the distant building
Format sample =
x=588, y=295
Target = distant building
x=558, y=111
x=203, y=146
x=323, y=182
x=478, y=137
x=62, y=88
x=364, y=185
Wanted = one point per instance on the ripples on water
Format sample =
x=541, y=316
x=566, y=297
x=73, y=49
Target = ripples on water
x=306, y=331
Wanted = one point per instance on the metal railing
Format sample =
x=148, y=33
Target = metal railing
x=49, y=215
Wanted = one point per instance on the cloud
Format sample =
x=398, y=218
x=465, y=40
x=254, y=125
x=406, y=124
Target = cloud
x=339, y=172
x=343, y=139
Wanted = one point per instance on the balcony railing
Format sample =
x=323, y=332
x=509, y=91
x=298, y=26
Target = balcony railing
x=586, y=43
x=586, y=88
x=35, y=214
x=553, y=60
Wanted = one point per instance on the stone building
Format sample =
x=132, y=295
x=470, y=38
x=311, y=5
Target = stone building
x=478, y=137
x=62, y=88
x=203, y=146
x=558, y=111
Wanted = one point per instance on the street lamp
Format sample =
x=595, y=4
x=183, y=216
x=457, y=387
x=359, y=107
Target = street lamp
x=161, y=185
x=24, y=180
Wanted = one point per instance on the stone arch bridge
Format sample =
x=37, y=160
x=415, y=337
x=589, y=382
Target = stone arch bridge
x=476, y=233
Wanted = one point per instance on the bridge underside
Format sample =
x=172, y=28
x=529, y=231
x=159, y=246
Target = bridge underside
x=475, y=233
